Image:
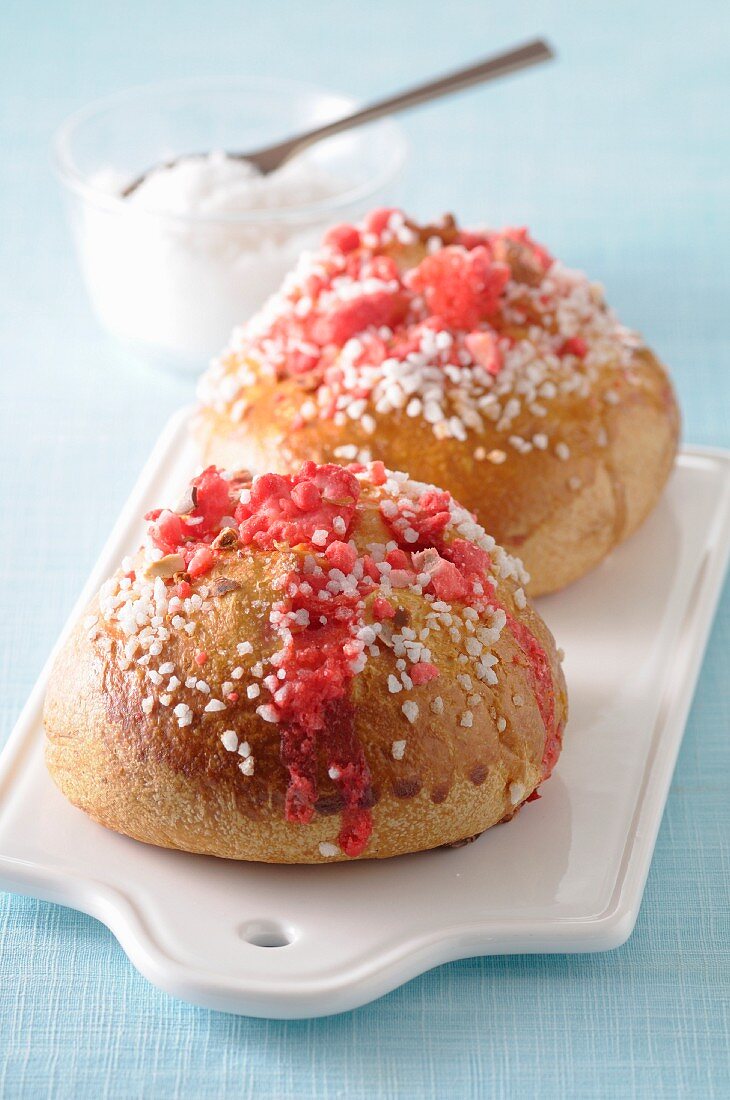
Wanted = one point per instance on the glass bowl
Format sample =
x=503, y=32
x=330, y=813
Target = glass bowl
x=172, y=286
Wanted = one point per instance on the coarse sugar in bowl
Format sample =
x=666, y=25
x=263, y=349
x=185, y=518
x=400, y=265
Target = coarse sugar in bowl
x=197, y=247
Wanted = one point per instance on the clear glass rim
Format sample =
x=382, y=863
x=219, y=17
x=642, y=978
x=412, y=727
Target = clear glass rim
x=76, y=181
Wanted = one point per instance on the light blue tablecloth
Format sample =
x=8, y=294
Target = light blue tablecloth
x=618, y=157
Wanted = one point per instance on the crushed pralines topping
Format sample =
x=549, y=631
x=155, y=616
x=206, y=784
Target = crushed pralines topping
x=226, y=540
x=166, y=566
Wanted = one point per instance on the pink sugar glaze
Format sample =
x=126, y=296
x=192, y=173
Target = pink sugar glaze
x=293, y=509
x=461, y=287
x=312, y=705
x=342, y=238
x=386, y=307
x=574, y=345
x=543, y=687
x=423, y=672
x=382, y=610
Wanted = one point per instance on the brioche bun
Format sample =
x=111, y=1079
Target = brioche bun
x=471, y=359
x=338, y=664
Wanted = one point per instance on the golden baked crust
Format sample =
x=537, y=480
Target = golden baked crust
x=145, y=755
x=574, y=468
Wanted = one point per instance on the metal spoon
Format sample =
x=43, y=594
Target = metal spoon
x=273, y=156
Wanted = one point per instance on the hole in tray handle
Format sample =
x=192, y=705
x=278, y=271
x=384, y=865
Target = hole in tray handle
x=266, y=933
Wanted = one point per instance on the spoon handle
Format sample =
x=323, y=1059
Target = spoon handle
x=490, y=68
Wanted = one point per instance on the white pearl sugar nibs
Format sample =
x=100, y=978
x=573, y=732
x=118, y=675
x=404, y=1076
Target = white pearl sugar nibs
x=410, y=709
x=267, y=712
x=184, y=714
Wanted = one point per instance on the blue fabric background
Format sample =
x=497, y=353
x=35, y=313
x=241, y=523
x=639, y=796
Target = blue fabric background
x=618, y=157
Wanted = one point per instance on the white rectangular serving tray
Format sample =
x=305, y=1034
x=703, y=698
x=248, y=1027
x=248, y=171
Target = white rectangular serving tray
x=566, y=875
